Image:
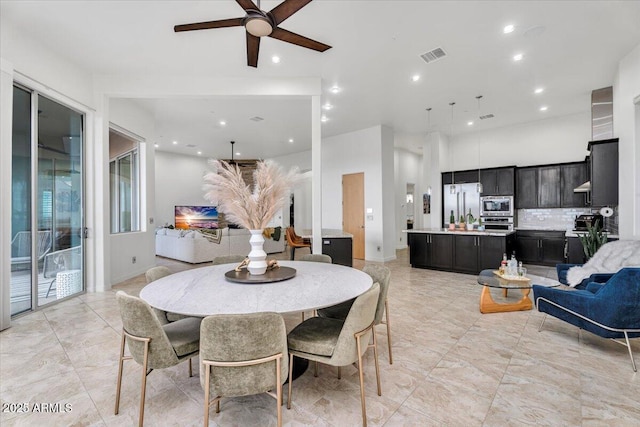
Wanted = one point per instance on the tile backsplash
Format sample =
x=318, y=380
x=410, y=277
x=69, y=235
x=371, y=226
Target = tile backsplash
x=549, y=219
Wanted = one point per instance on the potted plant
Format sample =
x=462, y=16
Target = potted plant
x=462, y=224
x=592, y=240
x=480, y=226
x=452, y=221
x=470, y=220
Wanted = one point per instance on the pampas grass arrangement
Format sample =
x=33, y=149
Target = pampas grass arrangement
x=251, y=208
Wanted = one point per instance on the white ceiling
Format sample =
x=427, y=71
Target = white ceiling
x=570, y=48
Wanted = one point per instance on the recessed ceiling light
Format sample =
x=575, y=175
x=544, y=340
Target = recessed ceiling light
x=175, y=142
x=415, y=77
x=508, y=29
x=199, y=153
x=518, y=57
x=275, y=59
x=222, y=123
x=335, y=89
x=238, y=153
x=156, y=145
x=324, y=119
x=544, y=108
x=469, y=123
x=290, y=140
x=538, y=90
x=327, y=106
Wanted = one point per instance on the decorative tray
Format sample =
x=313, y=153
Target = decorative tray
x=511, y=278
x=276, y=275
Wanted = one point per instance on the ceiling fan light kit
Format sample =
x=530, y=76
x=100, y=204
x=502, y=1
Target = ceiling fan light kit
x=258, y=23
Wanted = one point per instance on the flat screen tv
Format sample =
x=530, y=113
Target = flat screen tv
x=196, y=217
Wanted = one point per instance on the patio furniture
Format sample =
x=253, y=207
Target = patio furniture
x=21, y=246
x=611, y=310
x=152, y=345
x=59, y=261
x=242, y=355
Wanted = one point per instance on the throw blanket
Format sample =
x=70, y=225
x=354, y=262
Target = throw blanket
x=610, y=258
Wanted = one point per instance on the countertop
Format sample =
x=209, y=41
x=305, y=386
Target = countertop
x=327, y=233
x=461, y=233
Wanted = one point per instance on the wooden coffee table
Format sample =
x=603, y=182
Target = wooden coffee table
x=489, y=279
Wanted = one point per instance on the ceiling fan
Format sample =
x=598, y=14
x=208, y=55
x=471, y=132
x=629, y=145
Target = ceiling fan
x=259, y=23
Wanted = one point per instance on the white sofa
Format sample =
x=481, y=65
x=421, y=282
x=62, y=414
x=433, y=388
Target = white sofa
x=193, y=247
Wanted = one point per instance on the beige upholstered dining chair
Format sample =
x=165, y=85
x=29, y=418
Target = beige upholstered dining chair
x=228, y=259
x=339, y=343
x=316, y=258
x=242, y=354
x=382, y=275
x=153, y=274
x=151, y=344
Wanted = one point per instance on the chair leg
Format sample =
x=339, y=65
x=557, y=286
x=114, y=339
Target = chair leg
x=207, y=379
x=143, y=387
x=50, y=287
x=315, y=369
x=293, y=253
x=119, y=383
x=388, y=322
x=375, y=358
x=339, y=373
x=279, y=389
x=190, y=368
x=290, y=380
x=361, y=374
x=542, y=323
x=633, y=362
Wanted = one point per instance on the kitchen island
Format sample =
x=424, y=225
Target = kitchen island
x=464, y=251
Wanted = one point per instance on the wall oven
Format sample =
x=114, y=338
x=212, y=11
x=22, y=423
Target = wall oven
x=496, y=206
x=498, y=223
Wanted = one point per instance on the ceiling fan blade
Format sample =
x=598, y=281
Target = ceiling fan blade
x=286, y=9
x=247, y=5
x=297, y=39
x=234, y=22
x=253, y=48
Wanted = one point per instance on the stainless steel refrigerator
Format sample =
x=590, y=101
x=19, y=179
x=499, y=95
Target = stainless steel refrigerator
x=465, y=198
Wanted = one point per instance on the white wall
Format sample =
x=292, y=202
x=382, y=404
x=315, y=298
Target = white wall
x=354, y=152
x=626, y=126
x=302, y=192
x=555, y=140
x=178, y=181
x=407, y=170
x=141, y=244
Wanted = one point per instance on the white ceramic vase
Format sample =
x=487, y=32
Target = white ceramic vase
x=257, y=256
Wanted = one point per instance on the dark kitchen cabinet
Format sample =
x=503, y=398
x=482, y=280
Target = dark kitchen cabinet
x=465, y=254
x=575, y=251
x=540, y=247
x=498, y=182
x=604, y=172
x=526, y=188
x=460, y=177
x=549, y=186
x=340, y=249
x=571, y=176
x=492, y=248
x=538, y=187
x=428, y=250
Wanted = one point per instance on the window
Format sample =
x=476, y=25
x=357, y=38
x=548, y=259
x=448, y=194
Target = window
x=124, y=183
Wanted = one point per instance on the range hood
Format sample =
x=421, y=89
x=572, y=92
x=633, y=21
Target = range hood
x=583, y=188
x=601, y=122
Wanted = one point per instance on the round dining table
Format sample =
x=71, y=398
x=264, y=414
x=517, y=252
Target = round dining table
x=206, y=291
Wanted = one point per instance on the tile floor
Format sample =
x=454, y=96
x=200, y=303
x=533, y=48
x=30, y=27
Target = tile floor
x=452, y=366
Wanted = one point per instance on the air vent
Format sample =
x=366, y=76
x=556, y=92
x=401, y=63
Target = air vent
x=433, y=55
x=256, y=119
x=487, y=116
x=191, y=146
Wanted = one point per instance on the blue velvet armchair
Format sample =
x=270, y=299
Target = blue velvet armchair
x=610, y=310
x=562, y=270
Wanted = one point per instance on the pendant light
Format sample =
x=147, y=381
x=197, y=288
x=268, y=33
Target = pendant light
x=452, y=187
x=428, y=127
x=479, y=188
x=232, y=162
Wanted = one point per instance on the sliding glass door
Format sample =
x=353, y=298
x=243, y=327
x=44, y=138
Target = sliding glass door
x=47, y=201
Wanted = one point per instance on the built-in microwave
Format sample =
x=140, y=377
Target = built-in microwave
x=496, y=206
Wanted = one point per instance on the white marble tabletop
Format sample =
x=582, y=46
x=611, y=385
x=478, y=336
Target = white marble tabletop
x=205, y=291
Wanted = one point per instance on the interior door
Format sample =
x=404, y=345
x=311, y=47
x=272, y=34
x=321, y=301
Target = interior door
x=353, y=210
